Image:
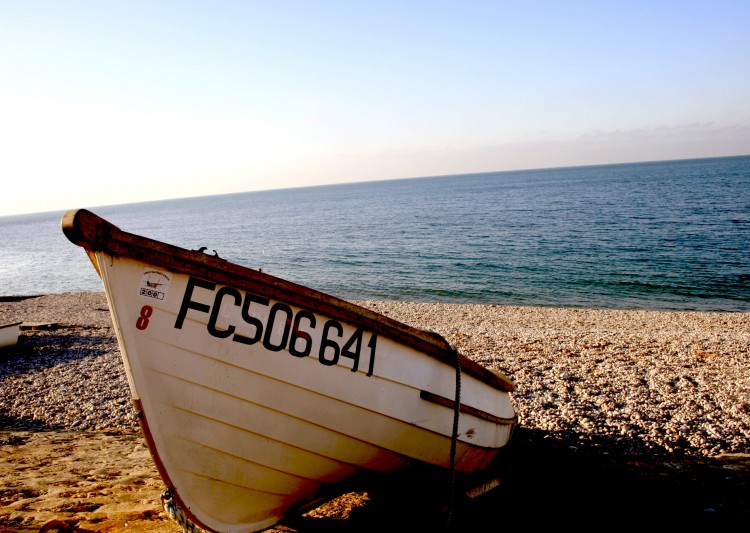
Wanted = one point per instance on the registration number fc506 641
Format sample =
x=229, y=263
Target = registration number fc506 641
x=248, y=318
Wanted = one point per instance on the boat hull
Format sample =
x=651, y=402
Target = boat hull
x=9, y=334
x=256, y=402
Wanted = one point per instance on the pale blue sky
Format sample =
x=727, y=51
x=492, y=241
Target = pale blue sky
x=105, y=102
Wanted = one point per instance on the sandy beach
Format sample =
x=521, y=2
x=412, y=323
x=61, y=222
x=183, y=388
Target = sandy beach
x=626, y=419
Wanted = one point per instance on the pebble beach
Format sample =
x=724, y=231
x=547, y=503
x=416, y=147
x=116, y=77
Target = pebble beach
x=660, y=399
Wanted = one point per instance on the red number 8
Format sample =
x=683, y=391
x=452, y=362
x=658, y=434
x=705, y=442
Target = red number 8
x=146, y=312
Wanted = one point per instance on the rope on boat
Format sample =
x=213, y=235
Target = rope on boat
x=454, y=438
x=177, y=514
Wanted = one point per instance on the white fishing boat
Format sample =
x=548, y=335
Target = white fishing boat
x=9, y=334
x=258, y=397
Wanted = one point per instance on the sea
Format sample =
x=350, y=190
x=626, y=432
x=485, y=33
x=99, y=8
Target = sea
x=666, y=235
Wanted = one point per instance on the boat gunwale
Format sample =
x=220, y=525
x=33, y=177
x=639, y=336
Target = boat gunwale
x=95, y=234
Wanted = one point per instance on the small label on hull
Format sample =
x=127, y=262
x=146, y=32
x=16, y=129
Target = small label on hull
x=154, y=284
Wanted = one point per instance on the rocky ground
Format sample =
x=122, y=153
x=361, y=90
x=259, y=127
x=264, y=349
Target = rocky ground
x=624, y=416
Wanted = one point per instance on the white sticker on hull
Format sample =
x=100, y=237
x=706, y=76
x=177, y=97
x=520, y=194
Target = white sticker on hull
x=154, y=284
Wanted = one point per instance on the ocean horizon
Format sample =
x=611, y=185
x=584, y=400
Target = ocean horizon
x=665, y=235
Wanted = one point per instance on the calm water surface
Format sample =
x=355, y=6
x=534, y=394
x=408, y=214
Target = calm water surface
x=662, y=235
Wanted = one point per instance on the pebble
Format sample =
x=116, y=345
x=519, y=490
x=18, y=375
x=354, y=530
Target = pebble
x=68, y=378
x=629, y=382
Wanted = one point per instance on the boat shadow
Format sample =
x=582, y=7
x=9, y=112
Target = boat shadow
x=545, y=482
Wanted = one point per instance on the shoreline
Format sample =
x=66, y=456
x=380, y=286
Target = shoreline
x=617, y=410
x=10, y=298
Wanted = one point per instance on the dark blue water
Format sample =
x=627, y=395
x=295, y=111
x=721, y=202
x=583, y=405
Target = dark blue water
x=662, y=235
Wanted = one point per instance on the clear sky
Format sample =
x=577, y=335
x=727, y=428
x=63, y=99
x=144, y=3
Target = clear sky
x=105, y=102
